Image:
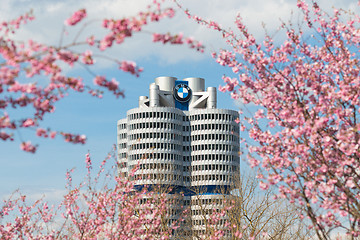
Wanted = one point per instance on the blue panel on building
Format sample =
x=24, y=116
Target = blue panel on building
x=202, y=190
x=181, y=105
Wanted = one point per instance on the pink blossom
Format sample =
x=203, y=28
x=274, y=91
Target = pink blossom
x=28, y=147
x=4, y=136
x=91, y=40
x=263, y=186
x=128, y=66
x=350, y=183
x=76, y=17
x=87, y=58
x=40, y=132
x=68, y=57
x=53, y=134
x=28, y=123
x=74, y=138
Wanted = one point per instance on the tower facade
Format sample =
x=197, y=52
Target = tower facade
x=179, y=139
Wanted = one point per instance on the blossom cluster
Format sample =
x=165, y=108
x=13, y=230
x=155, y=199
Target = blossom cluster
x=33, y=59
x=304, y=133
x=106, y=207
x=178, y=39
x=76, y=17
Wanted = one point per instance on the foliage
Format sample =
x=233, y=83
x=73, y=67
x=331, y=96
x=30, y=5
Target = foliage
x=304, y=135
x=25, y=62
x=103, y=206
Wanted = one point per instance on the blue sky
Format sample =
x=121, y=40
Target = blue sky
x=44, y=172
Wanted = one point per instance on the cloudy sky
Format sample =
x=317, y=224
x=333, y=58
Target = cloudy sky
x=44, y=172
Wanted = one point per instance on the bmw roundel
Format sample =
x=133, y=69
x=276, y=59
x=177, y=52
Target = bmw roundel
x=182, y=92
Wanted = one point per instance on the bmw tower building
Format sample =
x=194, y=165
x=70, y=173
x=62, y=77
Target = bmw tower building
x=179, y=138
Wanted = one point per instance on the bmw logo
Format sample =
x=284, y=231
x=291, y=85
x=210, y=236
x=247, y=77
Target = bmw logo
x=182, y=92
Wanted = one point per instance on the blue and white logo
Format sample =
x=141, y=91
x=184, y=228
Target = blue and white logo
x=182, y=92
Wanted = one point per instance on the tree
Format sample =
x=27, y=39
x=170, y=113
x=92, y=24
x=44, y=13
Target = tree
x=304, y=134
x=103, y=206
x=247, y=213
x=25, y=63
x=256, y=214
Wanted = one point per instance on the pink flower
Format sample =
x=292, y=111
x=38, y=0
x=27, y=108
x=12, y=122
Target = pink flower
x=52, y=135
x=68, y=57
x=87, y=58
x=91, y=40
x=28, y=123
x=222, y=89
x=350, y=183
x=4, y=136
x=128, y=66
x=28, y=147
x=73, y=138
x=88, y=161
x=40, y=132
x=100, y=80
x=76, y=17
x=263, y=186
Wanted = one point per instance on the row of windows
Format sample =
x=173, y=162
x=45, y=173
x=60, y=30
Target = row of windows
x=203, y=212
x=223, y=157
x=121, y=145
x=155, y=115
x=168, y=156
x=218, y=167
x=162, y=156
x=122, y=126
x=164, y=125
x=213, y=116
x=202, y=232
x=204, y=116
x=176, y=167
x=202, y=222
x=161, y=125
x=172, y=201
x=225, y=147
x=173, y=136
x=213, y=126
x=225, y=137
x=207, y=201
x=212, y=177
x=160, y=135
x=162, y=145
x=122, y=135
x=159, y=176
x=160, y=166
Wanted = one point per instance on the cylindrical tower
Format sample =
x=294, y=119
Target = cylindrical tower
x=165, y=83
x=214, y=159
x=155, y=145
x=180, y=144
x=122, y=146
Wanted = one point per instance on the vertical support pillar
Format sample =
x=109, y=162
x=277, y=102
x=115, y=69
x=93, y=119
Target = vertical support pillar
x=211, y=101
x=154, y=95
